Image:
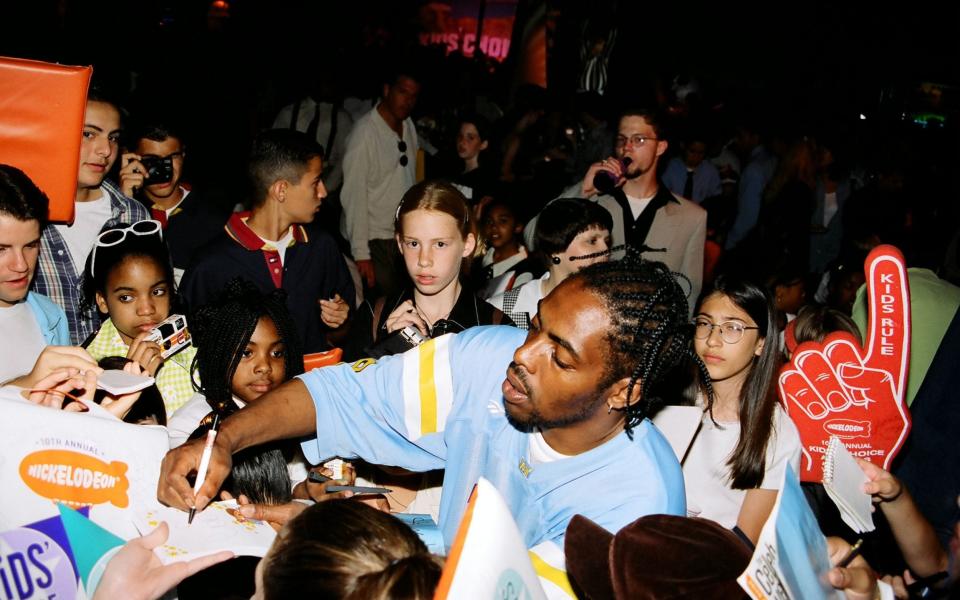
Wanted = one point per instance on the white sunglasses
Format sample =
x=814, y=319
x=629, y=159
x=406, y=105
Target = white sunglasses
x=112, y=237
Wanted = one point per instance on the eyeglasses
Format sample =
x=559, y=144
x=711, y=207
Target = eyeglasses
x=402, y=147
x=637, y=141
x=112, y=237
x=731, y=332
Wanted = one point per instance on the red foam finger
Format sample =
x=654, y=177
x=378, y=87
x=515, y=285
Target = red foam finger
x=799, y=398
x=887, y=340
x=823, y=379
x=841, y=348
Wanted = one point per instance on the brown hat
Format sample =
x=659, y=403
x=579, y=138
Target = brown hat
x=657, y=556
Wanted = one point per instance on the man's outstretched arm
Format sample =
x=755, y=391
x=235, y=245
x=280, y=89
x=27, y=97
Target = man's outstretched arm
x=286, y=412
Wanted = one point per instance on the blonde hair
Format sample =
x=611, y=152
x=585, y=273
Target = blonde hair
x=442, y=197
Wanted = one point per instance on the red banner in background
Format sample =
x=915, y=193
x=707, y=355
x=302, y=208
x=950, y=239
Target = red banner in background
x=838, y=388
x=453, y=25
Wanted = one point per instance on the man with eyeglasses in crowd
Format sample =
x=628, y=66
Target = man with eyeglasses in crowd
x=646, y=215
x=378, y=167
x=64, y=248
x=153, y=174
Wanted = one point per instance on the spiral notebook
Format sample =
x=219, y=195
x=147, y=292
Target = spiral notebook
x=843, y=480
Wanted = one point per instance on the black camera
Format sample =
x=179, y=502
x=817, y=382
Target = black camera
x=159, y=170
x=409, y=337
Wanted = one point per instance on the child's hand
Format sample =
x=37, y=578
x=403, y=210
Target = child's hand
x=120, y=405
x=54, y=390
x=54, y=359
x=309, y=490
x=883, y=486
x=406, y=314
x=334, y=312
x=146, y=353
x=136, y=572
x=275, y=515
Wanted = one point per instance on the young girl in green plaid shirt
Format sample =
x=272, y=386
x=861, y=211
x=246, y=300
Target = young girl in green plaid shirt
x=129, y=278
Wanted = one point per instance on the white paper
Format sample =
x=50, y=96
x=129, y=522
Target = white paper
x=217, y=527
x=843, y=480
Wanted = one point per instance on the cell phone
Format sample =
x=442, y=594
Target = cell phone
x=318, y=477
x=357, y=489
x=412, y=335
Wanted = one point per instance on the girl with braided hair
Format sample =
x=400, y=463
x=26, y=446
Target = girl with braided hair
x=735, y=463
x=246, y=346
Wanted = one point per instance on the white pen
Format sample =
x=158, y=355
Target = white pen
x=204, y=462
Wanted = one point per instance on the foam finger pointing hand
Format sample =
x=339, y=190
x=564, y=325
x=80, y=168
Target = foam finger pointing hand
x=887, y=341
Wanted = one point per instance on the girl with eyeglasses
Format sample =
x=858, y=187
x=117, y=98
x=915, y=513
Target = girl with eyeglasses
x=129, y=278
x=736, y=460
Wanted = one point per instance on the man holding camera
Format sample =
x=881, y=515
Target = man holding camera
x=153, y=173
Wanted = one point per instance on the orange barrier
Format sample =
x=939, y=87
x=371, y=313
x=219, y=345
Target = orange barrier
x=322, y=359
x=41, y=120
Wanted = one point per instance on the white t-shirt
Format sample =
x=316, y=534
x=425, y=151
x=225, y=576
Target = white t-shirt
x=82, y=235
x=707, y=475
x=186, y=419
x=638, y=204
x=23, y=341
x=280, y=245
x=541, y=452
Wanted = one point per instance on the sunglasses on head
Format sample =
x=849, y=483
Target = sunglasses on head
x=112, y=237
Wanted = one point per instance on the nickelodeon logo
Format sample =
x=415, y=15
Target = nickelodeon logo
x=75, y=479
x=847, y=428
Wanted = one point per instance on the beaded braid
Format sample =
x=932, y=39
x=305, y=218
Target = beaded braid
x=651, y=333
x=223, y=328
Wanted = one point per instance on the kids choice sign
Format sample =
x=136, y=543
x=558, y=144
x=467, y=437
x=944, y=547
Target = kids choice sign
x=70, y=484
x=840, y=388
x=453, y=25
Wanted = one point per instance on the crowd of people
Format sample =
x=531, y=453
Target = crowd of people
x=587, y=285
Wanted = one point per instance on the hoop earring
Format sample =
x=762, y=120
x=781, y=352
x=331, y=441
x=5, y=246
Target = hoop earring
x=555, y=260
x=609, y=408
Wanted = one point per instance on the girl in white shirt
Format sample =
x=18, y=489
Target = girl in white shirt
x=735, y=463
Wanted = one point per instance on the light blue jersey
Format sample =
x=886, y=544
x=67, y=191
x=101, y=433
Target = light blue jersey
x=440, y=406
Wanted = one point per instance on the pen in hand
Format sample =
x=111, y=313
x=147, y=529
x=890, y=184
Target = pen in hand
x=204, y=462
x=854, y=552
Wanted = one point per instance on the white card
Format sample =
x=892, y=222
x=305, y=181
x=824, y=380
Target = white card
x=217, y=527
x=116, y=382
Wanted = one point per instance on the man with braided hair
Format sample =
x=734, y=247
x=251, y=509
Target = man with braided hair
x=565, y=433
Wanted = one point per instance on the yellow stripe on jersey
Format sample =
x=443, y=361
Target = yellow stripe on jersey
x=428, y=389
x=556, y=576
